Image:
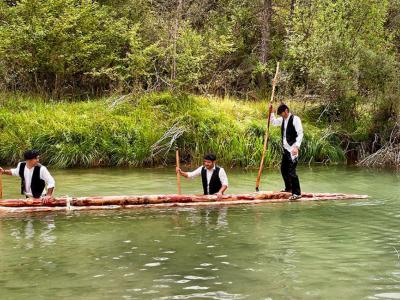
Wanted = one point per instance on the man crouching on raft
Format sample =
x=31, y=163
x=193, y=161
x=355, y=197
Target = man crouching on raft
x=34, y=177
x=215, y=181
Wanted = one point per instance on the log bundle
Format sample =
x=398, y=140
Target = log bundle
x=141, y=201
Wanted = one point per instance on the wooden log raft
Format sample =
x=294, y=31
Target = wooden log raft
x=112, y=202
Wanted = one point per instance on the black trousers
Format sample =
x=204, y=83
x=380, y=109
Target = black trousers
x=288, y=170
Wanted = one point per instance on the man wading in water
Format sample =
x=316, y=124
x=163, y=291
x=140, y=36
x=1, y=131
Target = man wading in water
x=292, y=135
x=34, y=177
x=214, y=177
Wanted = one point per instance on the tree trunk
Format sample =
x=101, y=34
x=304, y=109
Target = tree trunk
x=266, y=16
x=292, y=6
x=289, y=27
x=178, y=17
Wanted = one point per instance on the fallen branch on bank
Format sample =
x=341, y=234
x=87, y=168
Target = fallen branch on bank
x=388, y=155
x=165, y=143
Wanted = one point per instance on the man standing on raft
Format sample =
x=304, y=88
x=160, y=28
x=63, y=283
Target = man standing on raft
x=34, y=177
x=292, y=136
x=214, y=177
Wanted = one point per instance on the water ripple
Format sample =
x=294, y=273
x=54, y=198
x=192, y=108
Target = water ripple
x=156, y=264
x=219, y=295
x=196, y=287
x=199, y=277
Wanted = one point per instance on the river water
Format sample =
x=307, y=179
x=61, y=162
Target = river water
x=320, y=250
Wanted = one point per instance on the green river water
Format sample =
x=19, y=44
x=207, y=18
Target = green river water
x=319, y=250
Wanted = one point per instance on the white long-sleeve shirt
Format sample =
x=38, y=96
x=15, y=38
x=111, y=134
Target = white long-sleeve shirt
x=297, y=125
x=44, y=175
x=222, y=175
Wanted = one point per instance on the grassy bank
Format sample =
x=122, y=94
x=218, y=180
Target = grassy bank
x=142, y=131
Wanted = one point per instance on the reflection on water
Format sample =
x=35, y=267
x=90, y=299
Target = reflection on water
x=327, y=250
x=25, y=232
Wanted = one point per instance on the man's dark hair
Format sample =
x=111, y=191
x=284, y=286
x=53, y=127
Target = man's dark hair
x=210, y=156
x=282, y=108
x=31, y=154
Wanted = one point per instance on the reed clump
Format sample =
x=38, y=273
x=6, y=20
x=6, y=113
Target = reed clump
x=143, y=131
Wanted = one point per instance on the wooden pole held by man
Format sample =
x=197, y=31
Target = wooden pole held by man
x=266, y=138
x=1, y=186
x=178, y=176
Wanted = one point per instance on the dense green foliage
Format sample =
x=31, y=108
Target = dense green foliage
x=342, y=55
x=123, y=131
x=331, y=48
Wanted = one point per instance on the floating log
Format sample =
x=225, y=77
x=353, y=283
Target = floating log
x=148, y=201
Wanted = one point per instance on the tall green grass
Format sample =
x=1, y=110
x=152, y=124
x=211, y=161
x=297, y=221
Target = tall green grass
x=120, y=132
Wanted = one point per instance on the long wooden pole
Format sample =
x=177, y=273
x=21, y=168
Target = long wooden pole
x=266, y=138
x=1, y=186
x=178, y=176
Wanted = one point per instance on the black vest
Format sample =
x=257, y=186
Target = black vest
x=215, y=183
x=37, y=184
x=291, y=133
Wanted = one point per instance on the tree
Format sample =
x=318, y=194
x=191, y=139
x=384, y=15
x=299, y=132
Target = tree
x=58, y=45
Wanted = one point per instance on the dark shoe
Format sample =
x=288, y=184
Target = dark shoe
x=294, y=197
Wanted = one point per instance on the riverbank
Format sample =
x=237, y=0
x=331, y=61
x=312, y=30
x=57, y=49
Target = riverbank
x=143, y=131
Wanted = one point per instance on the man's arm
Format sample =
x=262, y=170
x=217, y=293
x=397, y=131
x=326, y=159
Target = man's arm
x=193, y=174
x=10, y=172
x=222, y=190
x=50, y=192
x=46, y=176
x=224, y=182
x=276, y=121
x=7, y=172
x=299, y=129
x=184, y=174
